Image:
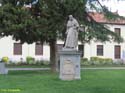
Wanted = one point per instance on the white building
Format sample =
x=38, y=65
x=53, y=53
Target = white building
x=16, y=51
x=108, y=49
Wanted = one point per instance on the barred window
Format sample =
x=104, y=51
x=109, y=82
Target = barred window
x=99, y=50
x=118, y=31
x=17, y=49
x=38, y=49
x=117, y=53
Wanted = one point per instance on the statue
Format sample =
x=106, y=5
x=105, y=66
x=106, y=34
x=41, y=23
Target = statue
x=69, y=56
x=72, y=33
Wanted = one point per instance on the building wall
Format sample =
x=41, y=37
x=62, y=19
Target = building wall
x=108, y=47
x=7, y=50
x=90, y=50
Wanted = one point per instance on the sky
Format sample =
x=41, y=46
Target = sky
x=114, y=6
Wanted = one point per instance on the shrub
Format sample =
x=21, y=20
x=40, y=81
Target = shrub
x=42, y=62
x=118, y=62
x=5, y=59
x=30, y=60
x=46, y=62
x=108, y=61
x=101, y=61
x=94, y=60
x=39, y=62
x=85, y=61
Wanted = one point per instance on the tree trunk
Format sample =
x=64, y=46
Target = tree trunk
x=53, y=56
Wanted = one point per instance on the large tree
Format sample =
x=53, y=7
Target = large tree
x=45, y=21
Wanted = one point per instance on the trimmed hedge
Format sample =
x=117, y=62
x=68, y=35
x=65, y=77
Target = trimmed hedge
x=85, y=61
x=98, y=60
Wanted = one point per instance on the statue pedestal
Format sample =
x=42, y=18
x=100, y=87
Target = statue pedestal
x=3, y=69
x=69, y=64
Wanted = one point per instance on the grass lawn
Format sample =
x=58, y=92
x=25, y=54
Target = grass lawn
x=47, y=66
x=27, y=66
x=96, y=66
x=93, y=81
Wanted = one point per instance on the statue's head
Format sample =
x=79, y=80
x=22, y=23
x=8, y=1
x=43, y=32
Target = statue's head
x=70, y=17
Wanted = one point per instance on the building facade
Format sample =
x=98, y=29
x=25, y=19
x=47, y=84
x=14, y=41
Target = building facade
x=107, y=49
x=16, y=51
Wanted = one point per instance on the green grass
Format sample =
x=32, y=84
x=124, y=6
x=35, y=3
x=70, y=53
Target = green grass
x=93, y=81
x=47, y=66
x=27, y=66
x=96, y=66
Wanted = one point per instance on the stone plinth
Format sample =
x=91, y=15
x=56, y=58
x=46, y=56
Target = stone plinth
x=69, y=64
x=3, y=70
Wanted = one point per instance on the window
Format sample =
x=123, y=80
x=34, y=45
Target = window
x=39, y=49
x=17, y=49
x=99, y=50
x=118, y=31
x=117, y=51
x=81, y=49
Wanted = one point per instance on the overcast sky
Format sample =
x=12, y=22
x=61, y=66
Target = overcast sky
x=114, y=6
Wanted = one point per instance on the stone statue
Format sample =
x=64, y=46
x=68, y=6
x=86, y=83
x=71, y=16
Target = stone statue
x=72, y=33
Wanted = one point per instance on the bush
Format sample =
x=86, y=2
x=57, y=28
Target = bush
x=95, y=60
x=101, y=61
x=46, y=63
x=30, y=60
x=5, y=59
x=108, y=61
x=85, y=61
x=39, y=62
x=118, y=62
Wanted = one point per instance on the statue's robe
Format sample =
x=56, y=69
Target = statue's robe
x=72, y=34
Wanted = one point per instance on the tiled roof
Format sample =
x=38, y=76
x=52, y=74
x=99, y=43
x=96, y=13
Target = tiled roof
x=99, y=17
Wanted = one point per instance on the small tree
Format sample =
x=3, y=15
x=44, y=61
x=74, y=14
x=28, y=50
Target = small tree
x=46, y=21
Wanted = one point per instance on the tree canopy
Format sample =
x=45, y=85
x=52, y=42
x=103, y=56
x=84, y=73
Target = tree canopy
x=46, y=20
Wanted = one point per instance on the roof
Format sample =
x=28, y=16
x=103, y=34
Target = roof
x=99, y=17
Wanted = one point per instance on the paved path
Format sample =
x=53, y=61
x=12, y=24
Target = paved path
x=98, y=68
